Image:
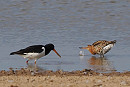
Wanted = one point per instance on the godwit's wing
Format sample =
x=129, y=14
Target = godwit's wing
x=99, y=42
x=103, y=46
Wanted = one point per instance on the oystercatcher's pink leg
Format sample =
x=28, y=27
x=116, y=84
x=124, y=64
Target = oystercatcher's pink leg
x=27, y=61
x=35, y=61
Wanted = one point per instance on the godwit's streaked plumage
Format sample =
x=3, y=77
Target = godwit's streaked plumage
x=100, y=47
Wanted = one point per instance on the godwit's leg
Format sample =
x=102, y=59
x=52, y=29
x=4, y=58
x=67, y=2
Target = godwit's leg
x=27, y=61
x=101, y=55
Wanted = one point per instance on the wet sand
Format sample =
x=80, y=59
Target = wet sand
x=48, y=78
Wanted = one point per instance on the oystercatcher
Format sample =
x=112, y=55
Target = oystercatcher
x=35, y=51
x=100, y=47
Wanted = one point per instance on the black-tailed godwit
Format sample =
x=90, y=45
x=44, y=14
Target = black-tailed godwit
x=100, y=47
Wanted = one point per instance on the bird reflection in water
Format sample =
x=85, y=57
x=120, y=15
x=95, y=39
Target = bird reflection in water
x=101, y=64
x=34, y=67
x=45, y=66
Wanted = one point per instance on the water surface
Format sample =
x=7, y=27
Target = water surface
x=68, y=24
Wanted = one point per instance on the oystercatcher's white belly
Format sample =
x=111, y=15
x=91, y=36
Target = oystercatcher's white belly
x=33, y=55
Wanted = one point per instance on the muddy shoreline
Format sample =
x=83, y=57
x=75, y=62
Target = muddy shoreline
x=49, y=78
x=84, y=72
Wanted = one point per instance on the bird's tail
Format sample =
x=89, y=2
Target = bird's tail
x=13, y=53
x=112, y=42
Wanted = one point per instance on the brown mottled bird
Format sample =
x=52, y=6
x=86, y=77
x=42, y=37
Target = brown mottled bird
x=100, y=47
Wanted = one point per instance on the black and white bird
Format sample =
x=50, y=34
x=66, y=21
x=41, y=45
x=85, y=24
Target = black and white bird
x=35, y=51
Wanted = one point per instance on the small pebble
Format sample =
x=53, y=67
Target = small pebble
x=32, y=73
x=100, y=74
x=123, y=83
x=10, y=80
x=85, y=73
x=99, y=81
x=87, y=81
x=109, y=77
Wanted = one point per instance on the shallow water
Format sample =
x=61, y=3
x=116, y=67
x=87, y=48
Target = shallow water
x=68, y=24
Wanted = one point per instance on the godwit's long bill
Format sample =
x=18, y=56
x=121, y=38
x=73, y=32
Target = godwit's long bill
x=35, y=52
x=100, y=47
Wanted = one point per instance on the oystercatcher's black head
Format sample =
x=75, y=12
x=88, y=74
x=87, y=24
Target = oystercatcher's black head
x=50, y=47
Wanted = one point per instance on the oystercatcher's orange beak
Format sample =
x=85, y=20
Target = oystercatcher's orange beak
x=56, y=53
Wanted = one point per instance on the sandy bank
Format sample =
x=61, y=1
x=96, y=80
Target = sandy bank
x=84, y=78
x=64, y=81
